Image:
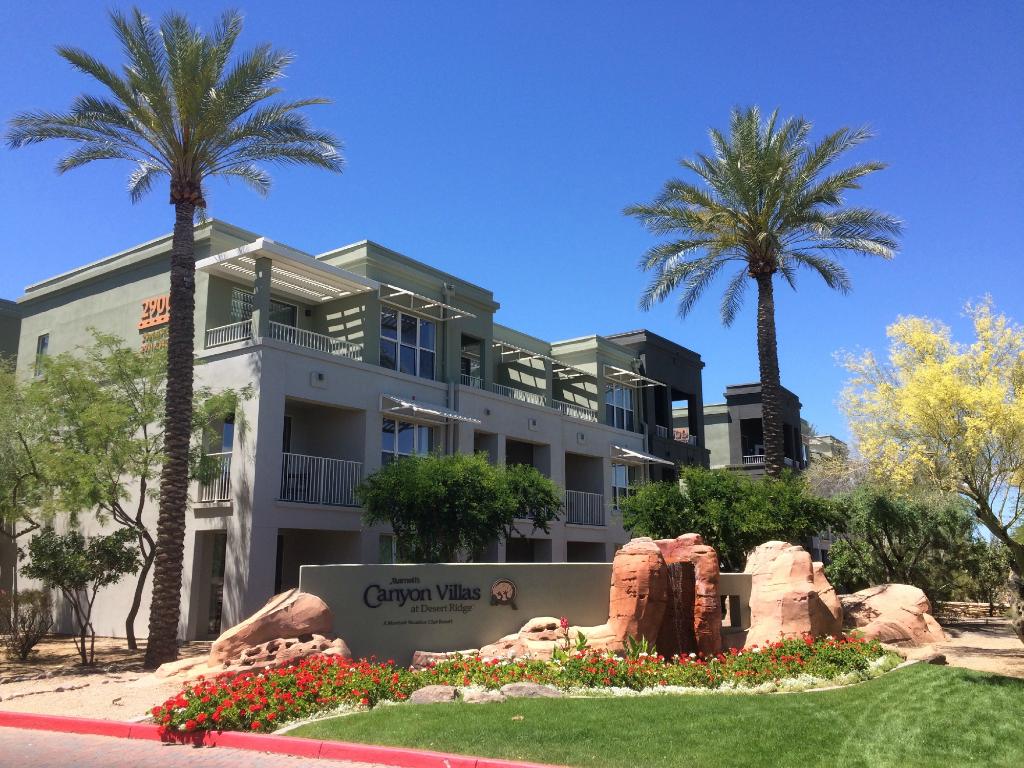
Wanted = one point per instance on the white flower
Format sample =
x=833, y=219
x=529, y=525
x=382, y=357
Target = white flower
x=693, y=655
x=755, y=650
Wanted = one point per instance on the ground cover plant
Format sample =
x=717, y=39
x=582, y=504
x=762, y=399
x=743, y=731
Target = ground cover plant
x=263, y=701
x=918, y=716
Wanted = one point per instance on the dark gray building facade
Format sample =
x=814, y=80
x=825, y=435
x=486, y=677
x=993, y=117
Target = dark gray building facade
x=680, y=370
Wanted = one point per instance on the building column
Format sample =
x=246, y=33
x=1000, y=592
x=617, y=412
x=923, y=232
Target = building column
x=261, y=298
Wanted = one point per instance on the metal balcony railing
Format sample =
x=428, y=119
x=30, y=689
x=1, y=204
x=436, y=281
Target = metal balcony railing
x=218, y=486
x=302, y=338
x=661, y=431
x=471, y=381
x=521, y=395
x=583, y=508
x=228, y=334
x=319, y=480
x=756, y=459
x=575, y=411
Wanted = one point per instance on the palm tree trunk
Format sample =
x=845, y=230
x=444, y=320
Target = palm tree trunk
x=771, y=387
x=170, y=529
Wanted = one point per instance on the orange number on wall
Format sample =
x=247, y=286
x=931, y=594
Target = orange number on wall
x=155, y=311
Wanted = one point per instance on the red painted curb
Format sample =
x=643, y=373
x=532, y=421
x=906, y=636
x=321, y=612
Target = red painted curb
x=260, y=742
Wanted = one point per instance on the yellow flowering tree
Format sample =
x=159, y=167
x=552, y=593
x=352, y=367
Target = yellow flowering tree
x=950, y=415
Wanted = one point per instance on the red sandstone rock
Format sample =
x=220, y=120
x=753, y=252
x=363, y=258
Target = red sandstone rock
x=290, y=614
x=787, y=597
x=639, y=590
x=898, y=614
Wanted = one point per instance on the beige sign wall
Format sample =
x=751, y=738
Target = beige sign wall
x=393, y=610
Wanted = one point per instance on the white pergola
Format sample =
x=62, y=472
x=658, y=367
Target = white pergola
x=427, y=412
x=630, y=378
x=294, y=274
x=511, y=352
x=410, y=301
x=637, y=458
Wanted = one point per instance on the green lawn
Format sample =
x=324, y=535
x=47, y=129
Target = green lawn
x=918, y=716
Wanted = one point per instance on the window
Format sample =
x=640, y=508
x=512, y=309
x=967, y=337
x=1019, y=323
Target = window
x=618, y=406
x=407, y=343
x=388, y=548
x=42, y=347
x=242, y=306
x=403, y=438
x=227, y=435
x=623, y=479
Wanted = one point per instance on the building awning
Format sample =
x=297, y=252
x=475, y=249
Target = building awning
x=630, y=378
x=558, y=368
x=293, y=273
x=631, y=456
x=435, y=414
x=422, y=305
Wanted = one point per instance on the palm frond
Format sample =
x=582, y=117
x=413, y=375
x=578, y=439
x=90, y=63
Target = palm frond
x=140, y=182
x=832, y=272
x=732, y=299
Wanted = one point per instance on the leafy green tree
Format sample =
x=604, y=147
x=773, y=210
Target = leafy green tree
x=530, y=498
x=22, y=480
x=988, y=567
x=79, y=567
x=923, y=539
x=178, y=111
x=767, y=202
x=443, y=507
x=102, y=441
x=732, y=513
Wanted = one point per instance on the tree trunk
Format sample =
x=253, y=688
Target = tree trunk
x=140, y=586
x=771, y=387
x=1016, y=586
x=165, y=611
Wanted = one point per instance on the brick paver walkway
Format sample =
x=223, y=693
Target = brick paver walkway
x=45, y=749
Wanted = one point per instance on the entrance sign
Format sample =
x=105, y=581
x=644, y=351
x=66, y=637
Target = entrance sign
x=391, y=611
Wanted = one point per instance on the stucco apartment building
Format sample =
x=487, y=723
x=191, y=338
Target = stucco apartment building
x=356, y=357
x=734, y=433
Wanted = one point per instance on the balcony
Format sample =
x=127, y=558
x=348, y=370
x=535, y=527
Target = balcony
x=319, y=480
x=677, y=434
x=754, y=460
x=533, y=398
x=235, y=332
x=582, y=508
x=575, y=411
x=318, y=341
x=228, y=334
x=217, y=487
x=519, y=394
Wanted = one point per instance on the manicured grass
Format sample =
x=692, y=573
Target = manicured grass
x=918, y=716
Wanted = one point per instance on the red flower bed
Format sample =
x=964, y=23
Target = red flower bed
x=263, y=701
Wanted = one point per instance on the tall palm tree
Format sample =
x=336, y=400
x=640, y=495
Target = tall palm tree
x=180, y=110
x=763, y=202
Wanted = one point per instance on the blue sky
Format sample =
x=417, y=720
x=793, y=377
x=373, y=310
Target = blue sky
x=500, y=141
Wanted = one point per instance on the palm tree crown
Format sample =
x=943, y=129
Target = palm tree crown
x=766, y=202
x=177, y=110
x=763, y=203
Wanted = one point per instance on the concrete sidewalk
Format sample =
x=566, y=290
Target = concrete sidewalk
x=45, y=749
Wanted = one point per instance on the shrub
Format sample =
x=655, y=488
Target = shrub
x=25, y=618
x=731, y=512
